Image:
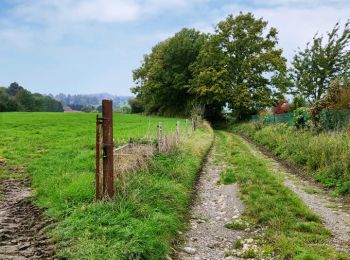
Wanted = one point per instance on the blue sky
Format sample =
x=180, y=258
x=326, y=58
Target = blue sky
x=92, y=46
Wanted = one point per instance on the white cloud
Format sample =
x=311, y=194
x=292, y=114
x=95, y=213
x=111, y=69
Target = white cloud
x=296, y=25
x=105, y=11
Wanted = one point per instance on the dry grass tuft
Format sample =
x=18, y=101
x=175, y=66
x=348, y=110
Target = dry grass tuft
x=132, y=157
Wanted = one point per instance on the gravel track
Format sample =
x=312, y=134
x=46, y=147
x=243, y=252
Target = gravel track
x=214, y=206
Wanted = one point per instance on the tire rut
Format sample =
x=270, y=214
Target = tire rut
x=22, y=225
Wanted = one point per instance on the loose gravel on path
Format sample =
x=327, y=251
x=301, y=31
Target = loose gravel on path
x=335, y=215
x=214, y=206
x=22, y=224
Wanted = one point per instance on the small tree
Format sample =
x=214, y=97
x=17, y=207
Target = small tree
x=319, y=63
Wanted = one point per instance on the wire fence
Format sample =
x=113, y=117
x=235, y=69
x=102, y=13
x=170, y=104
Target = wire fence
x=329, y=119
x=274, y=118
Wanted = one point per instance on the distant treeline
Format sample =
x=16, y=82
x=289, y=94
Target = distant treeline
x=90, y=101
x=17, y=98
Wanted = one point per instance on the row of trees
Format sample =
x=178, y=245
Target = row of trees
x=239, y=66
x=17, y=98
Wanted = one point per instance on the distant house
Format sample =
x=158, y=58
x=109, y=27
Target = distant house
x=67, y=109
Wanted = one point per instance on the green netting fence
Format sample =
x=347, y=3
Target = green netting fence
x=274, y=118
x=330, y=120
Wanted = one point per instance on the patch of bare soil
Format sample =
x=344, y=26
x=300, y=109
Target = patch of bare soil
x=214, y=206
x=334, y=213
x=22, y=225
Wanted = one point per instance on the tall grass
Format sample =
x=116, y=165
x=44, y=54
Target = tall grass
x=324, y=156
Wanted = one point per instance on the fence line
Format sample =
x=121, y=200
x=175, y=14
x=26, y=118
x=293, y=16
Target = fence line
x=112, y=163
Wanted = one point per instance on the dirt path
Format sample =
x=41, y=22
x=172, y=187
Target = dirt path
x=335, y=215
x=22, y=225
x=214, y=206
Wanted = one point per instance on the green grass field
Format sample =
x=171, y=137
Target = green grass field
x=56, y=151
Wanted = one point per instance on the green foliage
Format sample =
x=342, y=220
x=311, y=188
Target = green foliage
x=57, y=150
x=236, y=225
x=124, y=110
x=291, y=229
x=298, y=102
x=233, y=65
x=319, y=63
x=336, y=98
x=16, y=98
x=324, y=156
x=228, y=176
x=301, y=117
x=331, y=120
x=162, y=81
x=136, y=105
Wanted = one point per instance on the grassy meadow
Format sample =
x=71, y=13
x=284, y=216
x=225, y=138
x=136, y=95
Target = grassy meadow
x=323, y=156
x=56, y=151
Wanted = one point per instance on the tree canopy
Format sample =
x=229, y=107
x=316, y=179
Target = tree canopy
x=240, y=66
x=322, y=61
x=163, y=79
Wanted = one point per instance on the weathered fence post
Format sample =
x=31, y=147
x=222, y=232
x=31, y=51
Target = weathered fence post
x=186, y=129
x=108, y=178
x=193, y=125
x=98, y=174
x=177, y=132
x=160, y=134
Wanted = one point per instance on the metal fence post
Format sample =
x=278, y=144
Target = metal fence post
x=108, y=177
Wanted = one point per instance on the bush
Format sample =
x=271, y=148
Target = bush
x=334, y=119
x=301, y=117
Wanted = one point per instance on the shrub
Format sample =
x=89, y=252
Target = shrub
x=334, y=119
x=301, y=117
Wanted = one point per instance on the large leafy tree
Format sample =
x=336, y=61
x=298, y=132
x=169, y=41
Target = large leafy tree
x=322, y=61
x=241, y=66
x=163, y=79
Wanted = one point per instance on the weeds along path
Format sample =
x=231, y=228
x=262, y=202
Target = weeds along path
x=22, y=225
x=213, y=207
x=335, y=215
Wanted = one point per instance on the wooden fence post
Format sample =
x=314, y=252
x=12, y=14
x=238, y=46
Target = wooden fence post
x=160, y=134
x=186, y=129
x=177, y=132
x=108, y=175
x=98, y=151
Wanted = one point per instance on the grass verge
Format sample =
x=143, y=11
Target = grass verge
x=292, y=230
x=146, y=215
